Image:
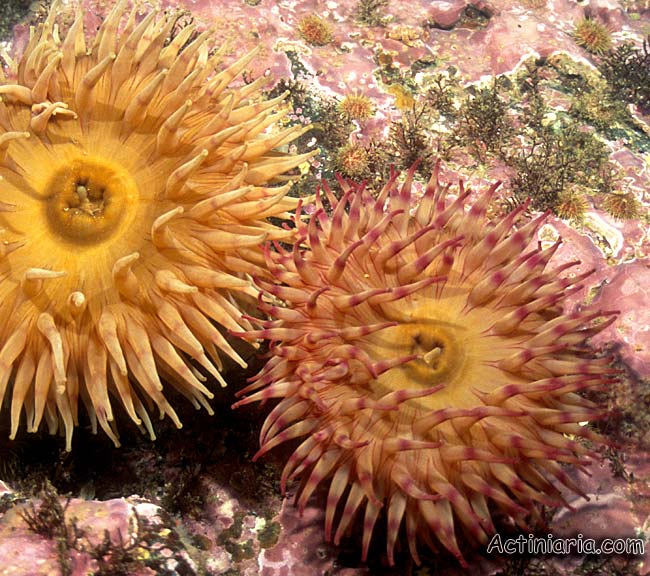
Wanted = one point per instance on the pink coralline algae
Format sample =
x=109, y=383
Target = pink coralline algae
x=629, y=291
x=300, y=550
x=52, y=536
x=609, y=512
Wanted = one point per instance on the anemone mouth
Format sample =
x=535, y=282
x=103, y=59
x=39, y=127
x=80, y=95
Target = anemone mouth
x=86, y=201
x=438, y=350
x=440, y=357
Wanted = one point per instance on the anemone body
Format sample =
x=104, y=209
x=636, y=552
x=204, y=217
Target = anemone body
x=421, y=354
x=135, y=188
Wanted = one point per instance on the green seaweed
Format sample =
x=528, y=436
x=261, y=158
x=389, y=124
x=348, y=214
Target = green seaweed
x=627, y=70
x=371, y=12
x=484, y=124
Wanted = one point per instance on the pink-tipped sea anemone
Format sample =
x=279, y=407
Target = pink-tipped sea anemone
x=421, y=354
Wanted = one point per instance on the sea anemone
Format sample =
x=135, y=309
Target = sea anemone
x=622, y=205
x=356, y=106
x=133, y=197
x=315, y=30
x=593, y=36
x=572, y=204
x=422, y=354
x=353, y=160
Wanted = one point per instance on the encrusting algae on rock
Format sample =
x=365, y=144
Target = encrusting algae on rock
x=135, y=191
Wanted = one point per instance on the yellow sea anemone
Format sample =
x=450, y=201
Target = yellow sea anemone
x=423, y=356
x=133, y=196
